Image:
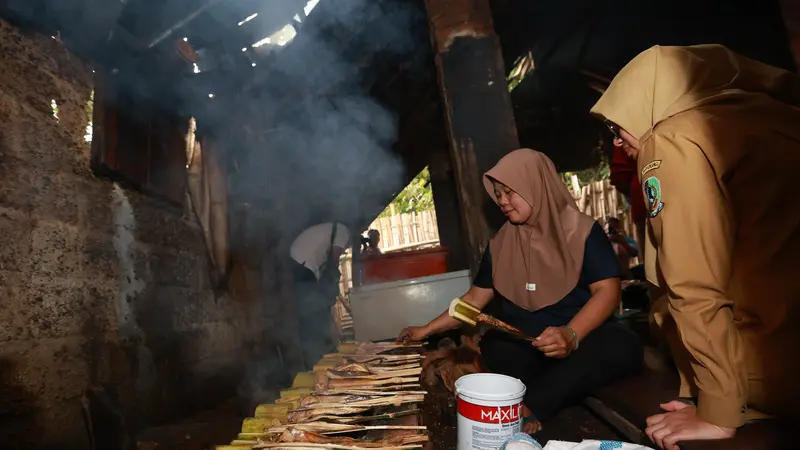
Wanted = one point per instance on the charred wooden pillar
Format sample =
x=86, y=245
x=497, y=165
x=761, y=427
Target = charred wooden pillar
x=478, y=112
x=445, y=196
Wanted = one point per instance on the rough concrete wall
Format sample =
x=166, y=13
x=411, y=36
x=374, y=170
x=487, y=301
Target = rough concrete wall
x=98, y=284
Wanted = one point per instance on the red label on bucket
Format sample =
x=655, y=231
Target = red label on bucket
x=489, y=414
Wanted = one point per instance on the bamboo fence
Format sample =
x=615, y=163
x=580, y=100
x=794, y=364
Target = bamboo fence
x=401, y=231
x=601, y=200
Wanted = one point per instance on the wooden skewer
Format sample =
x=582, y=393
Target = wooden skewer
x=352, y=383
x=369, y=392
x=502, y=326
x=365, y=419
x=359, y=357
x=380, y=427
x=382, y=401
x=383, y=369
x=386, y=416
x=319, y=427
x=392, y=374
x=367, y=388
x=465, y=312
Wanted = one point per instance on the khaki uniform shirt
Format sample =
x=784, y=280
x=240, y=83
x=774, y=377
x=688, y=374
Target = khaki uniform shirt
x=722, y=186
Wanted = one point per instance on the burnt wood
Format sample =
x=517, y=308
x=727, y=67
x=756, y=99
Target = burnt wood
x=137, y=143
x=477, y=107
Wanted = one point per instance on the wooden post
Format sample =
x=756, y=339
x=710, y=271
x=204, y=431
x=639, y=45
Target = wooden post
x=478, y=112
x=448, y=211
x=355, y=261
x=576, y=186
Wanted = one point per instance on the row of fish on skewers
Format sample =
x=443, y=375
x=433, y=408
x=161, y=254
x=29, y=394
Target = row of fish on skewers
x=365, y=389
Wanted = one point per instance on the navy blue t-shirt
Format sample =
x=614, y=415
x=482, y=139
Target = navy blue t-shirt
x=599, y=263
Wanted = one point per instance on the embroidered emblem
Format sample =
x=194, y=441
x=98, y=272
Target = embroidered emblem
x=530, y=286
x=652, y=165
x=652, y=192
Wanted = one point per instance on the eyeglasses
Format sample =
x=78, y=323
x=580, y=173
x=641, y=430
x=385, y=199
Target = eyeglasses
x=613, y=128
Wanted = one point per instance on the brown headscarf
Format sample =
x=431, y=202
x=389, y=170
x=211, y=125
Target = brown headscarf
x=546, y=251
x=664, y=81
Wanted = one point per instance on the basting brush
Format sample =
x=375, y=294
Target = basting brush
x=470, y=315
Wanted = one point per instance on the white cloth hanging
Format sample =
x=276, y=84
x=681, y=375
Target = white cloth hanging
x=313, y=246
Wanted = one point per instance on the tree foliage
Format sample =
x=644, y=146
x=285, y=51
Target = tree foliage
x=600, y=172
x=416, y=197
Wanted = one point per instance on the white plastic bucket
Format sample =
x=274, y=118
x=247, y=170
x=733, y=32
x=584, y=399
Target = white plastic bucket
x=489, y=407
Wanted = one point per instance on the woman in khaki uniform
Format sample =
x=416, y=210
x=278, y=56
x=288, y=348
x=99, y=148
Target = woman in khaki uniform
x=717, y=138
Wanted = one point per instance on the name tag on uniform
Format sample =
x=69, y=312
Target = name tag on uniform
x=530, y=286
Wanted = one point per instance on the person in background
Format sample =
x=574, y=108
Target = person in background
x=551, y=272
x=624, y=246
x=717, y=141
x=316, y=252
x=370, y=246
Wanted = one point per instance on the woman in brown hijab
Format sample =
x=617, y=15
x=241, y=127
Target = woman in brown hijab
x=717, y=138
x=551, y=272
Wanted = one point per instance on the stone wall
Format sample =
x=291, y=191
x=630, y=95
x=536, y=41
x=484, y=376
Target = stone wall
x=99, y=285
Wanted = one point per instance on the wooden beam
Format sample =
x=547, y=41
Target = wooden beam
x=477, y=108
x=446, y=199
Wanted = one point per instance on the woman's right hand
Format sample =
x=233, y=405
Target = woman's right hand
x=413, y=334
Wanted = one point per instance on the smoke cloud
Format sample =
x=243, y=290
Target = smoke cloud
x=327, y=154
x=322, y=144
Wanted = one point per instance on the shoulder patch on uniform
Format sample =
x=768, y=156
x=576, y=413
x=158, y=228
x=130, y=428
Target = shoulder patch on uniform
x=652, y=165
x=652, y=192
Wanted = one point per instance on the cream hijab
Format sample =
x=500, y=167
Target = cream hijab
x=664, y=81
x=537, y=264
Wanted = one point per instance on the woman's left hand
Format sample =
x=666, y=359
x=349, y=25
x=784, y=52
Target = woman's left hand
x=555, y=342
x=680, y=423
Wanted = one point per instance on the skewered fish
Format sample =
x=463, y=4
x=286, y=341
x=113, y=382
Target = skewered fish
x=296, y=435
x=352, y=383
x=470, y=315
x=332, y=428
x=362, y=419
x=355, y=402
x=332, y=374
x=348, y=392
x=328, y=399
x=369, y=393
x=351, y=370
x=307, y=415
x=375, y=348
